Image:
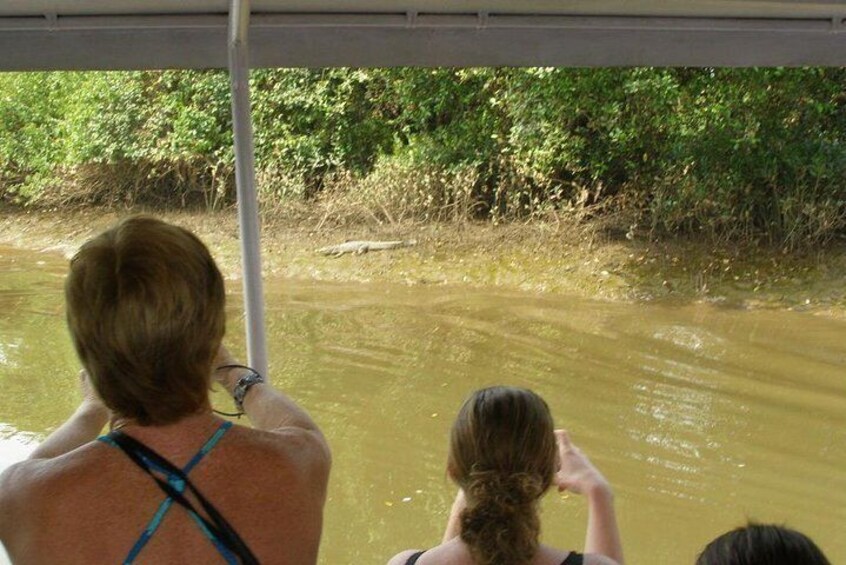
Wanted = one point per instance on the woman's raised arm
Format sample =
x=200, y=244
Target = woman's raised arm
x=453, y=527
x=577, y=474
x=84, y=425
x=268, y=409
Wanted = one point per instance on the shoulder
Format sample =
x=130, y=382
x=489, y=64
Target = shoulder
x=12, y=483
x=307, y=449
x=23, y=487
x=23, y=478
x=402, y=557
x=552, y=555
x=597, y=559
x=304, y=451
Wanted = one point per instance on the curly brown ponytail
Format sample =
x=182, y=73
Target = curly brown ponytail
x=502, y=454
x=500, y=524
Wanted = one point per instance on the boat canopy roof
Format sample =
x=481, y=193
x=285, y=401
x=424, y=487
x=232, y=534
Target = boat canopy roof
x=155, y=34
x=682, y=8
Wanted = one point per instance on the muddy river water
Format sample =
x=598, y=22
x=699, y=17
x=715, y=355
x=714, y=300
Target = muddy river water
x=701, y=417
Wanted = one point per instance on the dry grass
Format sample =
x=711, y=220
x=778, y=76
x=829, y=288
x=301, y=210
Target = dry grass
x=568, y=255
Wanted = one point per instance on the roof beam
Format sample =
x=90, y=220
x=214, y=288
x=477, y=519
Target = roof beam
x=317, y=40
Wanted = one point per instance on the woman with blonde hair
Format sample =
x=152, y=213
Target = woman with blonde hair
x=172, y=482
x=504, y=454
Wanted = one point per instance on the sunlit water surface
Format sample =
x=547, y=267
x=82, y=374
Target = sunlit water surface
x=700, y=417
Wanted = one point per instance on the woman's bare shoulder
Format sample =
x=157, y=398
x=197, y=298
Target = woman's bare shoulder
x=33, y=473
x=29, y=485
x=452, y=552
x=13, y=481
x=302, y=451
x=402, y=557
x=597, y=559
x=551, y=555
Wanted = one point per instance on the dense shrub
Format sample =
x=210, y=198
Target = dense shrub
x=728, y=153
x=311, y=124
x=758, y=153
x=33, y=127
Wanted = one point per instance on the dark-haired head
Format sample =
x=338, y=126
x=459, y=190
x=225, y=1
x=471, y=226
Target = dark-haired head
x=503, y=455
x=145, y=308
x=762, y=544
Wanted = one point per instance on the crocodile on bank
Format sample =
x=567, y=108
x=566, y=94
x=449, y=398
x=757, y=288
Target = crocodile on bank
x=359, y=247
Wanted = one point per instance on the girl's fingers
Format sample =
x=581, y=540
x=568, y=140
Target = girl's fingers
x=563, y=440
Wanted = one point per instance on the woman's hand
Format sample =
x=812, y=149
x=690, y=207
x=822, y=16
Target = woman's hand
x=453, y=529
x=83, y=426
x=576, y=473
x=460, y=502
x=223, y=357
x=225, y=377
x=91, y=401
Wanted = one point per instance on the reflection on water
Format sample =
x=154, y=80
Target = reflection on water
x=700, y=417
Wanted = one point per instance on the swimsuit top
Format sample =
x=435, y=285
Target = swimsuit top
x=572, y=559
x=173, y=484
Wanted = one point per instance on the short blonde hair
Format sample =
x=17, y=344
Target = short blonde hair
x=146, y=311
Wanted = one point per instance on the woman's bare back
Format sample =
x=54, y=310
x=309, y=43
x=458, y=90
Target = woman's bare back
x=92, y=504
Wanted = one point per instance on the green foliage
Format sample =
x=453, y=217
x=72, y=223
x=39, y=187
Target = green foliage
x=556, y=119
x=453, y=120
x=583, y=135
x=758, y=153
x=311, y=124
x=32, y=113
x=728, y=153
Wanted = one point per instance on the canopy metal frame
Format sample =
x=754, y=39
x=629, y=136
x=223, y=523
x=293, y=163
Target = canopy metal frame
x=411, y=38
x=245, y=178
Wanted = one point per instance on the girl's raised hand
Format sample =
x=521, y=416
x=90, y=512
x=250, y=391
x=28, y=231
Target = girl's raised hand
x=575, y=473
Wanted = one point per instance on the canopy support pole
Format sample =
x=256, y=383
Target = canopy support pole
x=245, y=177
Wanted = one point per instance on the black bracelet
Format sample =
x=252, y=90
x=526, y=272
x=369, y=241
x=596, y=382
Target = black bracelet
x=244, y=383
x=234, y=366
x=240, y=412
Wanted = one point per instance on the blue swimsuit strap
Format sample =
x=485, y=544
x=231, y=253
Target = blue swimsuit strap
x=216, y=524
x=179, y=485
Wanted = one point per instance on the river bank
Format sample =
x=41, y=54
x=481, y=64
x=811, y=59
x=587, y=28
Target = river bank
x=549, y=257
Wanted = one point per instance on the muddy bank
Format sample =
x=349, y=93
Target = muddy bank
x=553, y=258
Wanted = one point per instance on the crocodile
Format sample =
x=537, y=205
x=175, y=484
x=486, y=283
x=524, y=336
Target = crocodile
x=359, y=247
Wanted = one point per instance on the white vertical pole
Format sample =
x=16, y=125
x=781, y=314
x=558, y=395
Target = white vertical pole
x=245, y=177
